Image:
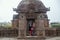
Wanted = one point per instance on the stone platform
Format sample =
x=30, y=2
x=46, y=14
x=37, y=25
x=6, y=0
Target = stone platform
x=53, y=38
x=32, y=38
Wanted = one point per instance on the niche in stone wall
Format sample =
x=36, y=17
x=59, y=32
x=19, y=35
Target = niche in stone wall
x=30, y=31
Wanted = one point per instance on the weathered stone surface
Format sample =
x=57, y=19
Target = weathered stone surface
x=28, y=5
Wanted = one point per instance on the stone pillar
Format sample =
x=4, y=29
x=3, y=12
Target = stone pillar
x=40, y=20
x=40, y=29
x=22, y=26
x=44, y=33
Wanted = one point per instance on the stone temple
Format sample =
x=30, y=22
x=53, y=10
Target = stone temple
x=31, y=20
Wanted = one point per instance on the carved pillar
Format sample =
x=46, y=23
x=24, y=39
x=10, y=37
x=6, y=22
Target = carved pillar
x=22, y=25
x=40, y=25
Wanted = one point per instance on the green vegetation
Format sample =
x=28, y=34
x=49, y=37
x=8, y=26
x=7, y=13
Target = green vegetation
x=5, y=25
x=56, y=25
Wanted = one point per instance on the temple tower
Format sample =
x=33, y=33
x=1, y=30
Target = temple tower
x=31, y=20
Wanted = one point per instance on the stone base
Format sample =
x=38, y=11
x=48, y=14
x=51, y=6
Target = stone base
x=32, y=38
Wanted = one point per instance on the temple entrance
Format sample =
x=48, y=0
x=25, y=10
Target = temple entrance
x=30, y=27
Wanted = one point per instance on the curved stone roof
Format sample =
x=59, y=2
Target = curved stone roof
x=31, y=5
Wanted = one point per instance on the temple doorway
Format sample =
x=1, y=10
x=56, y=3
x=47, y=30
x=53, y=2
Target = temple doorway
x=30, y=27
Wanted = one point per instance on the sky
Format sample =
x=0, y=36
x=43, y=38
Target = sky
x=6, y=9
